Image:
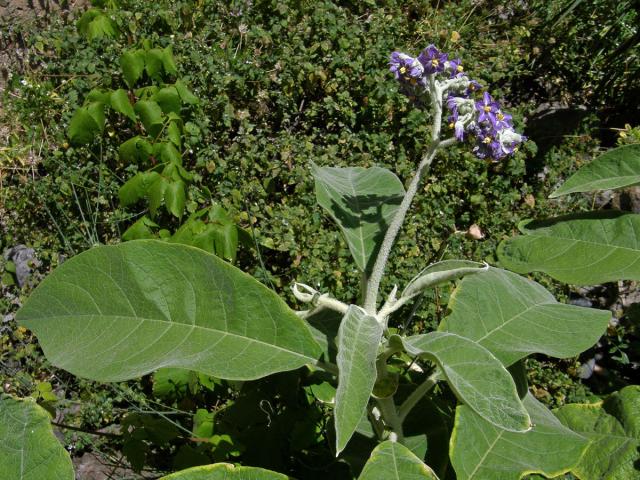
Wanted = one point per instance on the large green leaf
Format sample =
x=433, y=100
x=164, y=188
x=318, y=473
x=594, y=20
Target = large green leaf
x=185, y=94
x=119, y=312
x=168, y=99
x=137, y=149
x=613, y=429
x=225, y=471
x=358, y=341
x=151, y=115
x=362, y=201
x=481, y=451
x=83, y=127
x=119, y=101
x=136, y=187
x=512, y=316
x=132, y=65
x=392, y=461
x=28, y=448
x=584, y=249
x=478, y=378
x=175, y=197
x=616, y=168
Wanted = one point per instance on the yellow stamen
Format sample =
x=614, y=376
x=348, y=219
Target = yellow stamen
x=459, y=68
x=486, y=140
x=452, y=125
x=435, y=62
x=487, y=108
x=403, y=70
x=500, y=116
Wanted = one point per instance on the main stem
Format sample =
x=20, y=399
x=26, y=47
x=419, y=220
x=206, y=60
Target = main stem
x=373, y=284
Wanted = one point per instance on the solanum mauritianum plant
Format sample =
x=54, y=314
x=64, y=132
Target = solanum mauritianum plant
x=118, y=312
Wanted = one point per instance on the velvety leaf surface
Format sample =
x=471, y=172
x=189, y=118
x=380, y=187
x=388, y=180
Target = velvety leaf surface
x=393, y=461
x=358, y=340
x=613, y=429
x=616, y=168
x=441, y=272
x=481, y=451
x=225, y=471
x=512, y=316
x=582, y=249
x=362, y=201
x=28, y=448
x=478, y=378
x=119, y=312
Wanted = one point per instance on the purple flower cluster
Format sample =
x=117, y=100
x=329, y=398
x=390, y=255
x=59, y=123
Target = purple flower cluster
x=432, y=73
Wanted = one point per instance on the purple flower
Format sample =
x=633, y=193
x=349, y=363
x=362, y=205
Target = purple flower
x=487, y=145
x=453, y=106
x=487, y=109
x=432, y=59
x=406, y=68
x=472, y=88
x=510, y=140
x=501, y=120
x=455, y=68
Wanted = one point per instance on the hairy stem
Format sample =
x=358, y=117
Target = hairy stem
x=391, y=418
x=373, y=283
x=413, y=399
x=392, y=231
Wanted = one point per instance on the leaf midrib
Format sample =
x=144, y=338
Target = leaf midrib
x=179, y=324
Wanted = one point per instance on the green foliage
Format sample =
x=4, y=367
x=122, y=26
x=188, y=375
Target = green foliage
x=362, y=202
x=391, y=460
x=128, y=303
x=278, y=84
x=615, y=168
x=29, y=450
x=613, y=433
x=481, y=451
x=478, y=379
x=588, y=248
x=358, y=340
x=440, y=273
x=534, y=316
x=225, y=471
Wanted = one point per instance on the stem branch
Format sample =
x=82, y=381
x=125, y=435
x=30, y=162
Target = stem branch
x=413, y=399
x=373, y=283
x=391, y=419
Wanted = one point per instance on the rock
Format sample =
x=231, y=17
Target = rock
x=25, y=260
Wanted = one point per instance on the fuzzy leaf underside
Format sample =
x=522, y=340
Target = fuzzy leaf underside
x=393, y=461
x=478, y=378
x=358, y=341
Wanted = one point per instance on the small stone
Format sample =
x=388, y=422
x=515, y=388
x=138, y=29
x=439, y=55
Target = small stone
x=475, y=232
x=530, y=200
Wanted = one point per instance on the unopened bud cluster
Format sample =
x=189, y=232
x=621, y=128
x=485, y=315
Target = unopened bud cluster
x=482, y=121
